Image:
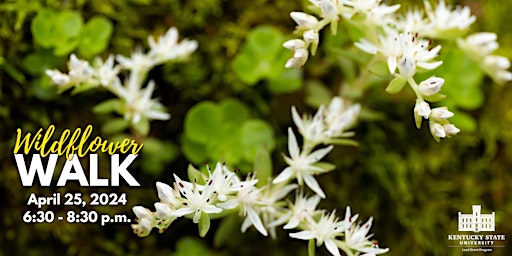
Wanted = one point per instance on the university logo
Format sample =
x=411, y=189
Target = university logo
x=476, y=221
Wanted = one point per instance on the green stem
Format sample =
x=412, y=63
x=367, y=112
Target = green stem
x=414, y=86
x=311, y=247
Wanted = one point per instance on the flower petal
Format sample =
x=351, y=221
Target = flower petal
x=313, y=185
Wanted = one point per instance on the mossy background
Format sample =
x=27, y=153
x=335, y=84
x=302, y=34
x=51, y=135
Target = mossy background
x=412, y=185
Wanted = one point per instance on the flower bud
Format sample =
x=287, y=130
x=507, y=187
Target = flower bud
x=294, y=44
x=441, y=113
x=165, y=193
x=407, y=67
x=437, y=130
x=450, y=129
x=163, y=211
x=431, y=86
x=422, y=109
x=141, y=212
x=303, y=20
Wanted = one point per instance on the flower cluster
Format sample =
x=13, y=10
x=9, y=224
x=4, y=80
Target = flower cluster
x=406, y=43
x=265, y=206
x=136, y=102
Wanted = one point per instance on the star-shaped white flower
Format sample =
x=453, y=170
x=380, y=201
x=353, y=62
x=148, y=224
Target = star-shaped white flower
x=167, y=48
x=357, y=237
x=448, y=23
x=302, y=209
x=324, y=231
x=138, y=103
x=301, y=166
x=196, y=201
x=404, y=51
x=106, y=72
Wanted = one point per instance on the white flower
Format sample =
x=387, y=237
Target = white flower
x=294, y=44
x=145, y=221
x=404, y=48
x=304, y=21
x=447, y=23
x=479, y=47
x=311, y=128
x=374, y=11
x=311, y=38
x=272, y=204
x=450, y=129
x=79, y=71
x=407, y=67
x=196, y=201
x=138, y=61
x=422, y=109
x=357, y=237
x=324, y=231
x=299, y=58
x=431, y=86
x=139, y=103
x=225, y=182
x=106, y=72
x=302, y=209
x=437, y=130
x=167, y=48
x=301, y=166
x=167, y=194
x=340, y=117
x=414, y=21
x=496, y=67
x=441, y=113
x=57, y=77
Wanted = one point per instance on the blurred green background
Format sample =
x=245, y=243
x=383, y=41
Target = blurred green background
x=411, y=185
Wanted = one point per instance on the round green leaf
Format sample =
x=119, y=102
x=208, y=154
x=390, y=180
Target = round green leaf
x=43, y=27
x=203, y=122
x=95, y=36
x=234, y=111
x=289, y=81
x=256, y=133
x=194, y=152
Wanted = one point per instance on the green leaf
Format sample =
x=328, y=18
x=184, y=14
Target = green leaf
x=43, y=27
x=225, y=231
x=265, y=41
x=261, y=57
x=396, y=85
x=244, y=68
x=344, y=142
x=380, y=68
x=156, y=154
x=38, y=62
x=256, y=133
x=203, y=121
x=68, y=25
x=327, y=167
x=107, y=106
x=95, y=36
x=194, y=174
x=142, y=127
x=234, y=111
x=262, y=166
x=204, y=224
x=435, y=98
x=193, y=151
x=317, y=94
x=115, y=125
x=289, y=81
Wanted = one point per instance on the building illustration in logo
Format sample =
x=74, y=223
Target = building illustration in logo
x=476, y=221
